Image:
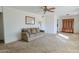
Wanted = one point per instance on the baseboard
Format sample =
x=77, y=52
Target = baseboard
x=10, y=41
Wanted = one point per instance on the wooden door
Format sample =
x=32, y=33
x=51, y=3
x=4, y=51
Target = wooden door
x=68, y=25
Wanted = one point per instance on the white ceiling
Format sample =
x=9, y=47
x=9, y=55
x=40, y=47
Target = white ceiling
x=63, y=10
x=60, y=10
x=33, y=9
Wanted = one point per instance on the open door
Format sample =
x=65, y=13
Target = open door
x=68, y=25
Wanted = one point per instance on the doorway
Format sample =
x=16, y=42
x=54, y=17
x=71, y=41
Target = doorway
x=1, y=28
x=68, y=25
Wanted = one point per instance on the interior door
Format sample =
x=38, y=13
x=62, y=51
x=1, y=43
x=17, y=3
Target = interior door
x=68, y=25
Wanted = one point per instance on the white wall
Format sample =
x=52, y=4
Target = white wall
x=0, y=9
x=76, y=22
x=51, y=23
x=14, y=21
x=76, y=25
x=1, y=27
x=55, y=24
x=42, y=27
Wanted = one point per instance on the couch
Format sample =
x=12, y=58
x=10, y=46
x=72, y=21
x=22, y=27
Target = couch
x=29, y=34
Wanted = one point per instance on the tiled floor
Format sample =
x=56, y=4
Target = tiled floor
x=50, y=43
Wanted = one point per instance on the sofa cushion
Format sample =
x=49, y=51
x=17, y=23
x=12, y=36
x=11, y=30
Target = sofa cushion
x=35, y=36
x=38, y=30
x=29, y=30
x=33, y=30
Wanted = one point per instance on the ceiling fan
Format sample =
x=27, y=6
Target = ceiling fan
x=46, y=8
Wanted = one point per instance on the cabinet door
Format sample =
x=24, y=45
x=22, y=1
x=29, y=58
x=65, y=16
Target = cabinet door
x=68, y=25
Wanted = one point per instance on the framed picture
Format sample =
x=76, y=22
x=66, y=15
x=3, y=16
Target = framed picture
x=29, y=20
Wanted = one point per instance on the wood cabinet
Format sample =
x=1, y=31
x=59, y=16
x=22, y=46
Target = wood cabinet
x=68, y=25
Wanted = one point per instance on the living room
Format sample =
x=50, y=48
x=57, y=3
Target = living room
x=14, y=19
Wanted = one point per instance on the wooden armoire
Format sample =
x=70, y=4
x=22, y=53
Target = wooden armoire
x=68, y=25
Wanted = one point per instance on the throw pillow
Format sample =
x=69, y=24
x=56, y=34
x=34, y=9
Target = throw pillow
x=33, y=31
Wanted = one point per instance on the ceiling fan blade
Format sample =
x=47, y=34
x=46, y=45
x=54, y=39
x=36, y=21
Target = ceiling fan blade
x=44, y=7
x=50, y=11
x=51, y=8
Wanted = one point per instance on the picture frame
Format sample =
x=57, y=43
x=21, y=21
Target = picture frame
x=29, y=20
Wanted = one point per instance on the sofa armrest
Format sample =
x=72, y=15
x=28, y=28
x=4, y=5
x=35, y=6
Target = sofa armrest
x=25, y=36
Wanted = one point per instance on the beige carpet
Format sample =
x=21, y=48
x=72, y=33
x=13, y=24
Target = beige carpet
x=50, y=43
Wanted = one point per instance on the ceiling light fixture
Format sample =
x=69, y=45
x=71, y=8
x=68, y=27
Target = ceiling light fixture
x=47, y=8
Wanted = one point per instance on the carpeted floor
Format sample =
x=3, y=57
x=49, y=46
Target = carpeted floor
x=50, y=43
